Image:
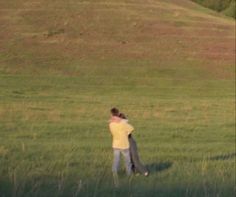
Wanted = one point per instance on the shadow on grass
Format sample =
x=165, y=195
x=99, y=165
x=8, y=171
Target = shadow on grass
x=224, y=156
x=158, y=167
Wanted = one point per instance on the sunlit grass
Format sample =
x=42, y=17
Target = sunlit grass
x=63, y=66
x=55, y=140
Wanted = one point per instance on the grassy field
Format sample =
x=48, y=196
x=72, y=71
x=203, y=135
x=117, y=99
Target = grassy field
x=169, y=65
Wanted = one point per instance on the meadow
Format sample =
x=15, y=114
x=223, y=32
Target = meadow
x=173, y=77
x=55, y=139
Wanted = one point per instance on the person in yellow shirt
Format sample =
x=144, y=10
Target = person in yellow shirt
x=120, y=130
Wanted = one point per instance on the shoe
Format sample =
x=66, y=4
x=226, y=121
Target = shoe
x=146, y=173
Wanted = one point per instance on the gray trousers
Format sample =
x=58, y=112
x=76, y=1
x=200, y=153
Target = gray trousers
x=136, y=163
x=116, y=161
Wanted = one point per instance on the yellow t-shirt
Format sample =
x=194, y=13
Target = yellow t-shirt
x=120, y=131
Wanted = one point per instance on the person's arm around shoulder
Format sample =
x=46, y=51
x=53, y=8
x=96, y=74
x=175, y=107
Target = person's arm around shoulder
x=128, y=128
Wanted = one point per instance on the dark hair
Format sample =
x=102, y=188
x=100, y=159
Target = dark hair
x=115, y=112
x=121, y=115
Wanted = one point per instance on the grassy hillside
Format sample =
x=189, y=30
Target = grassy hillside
x=169, y=65
x=231, y=9
x=227, y=7
x=218, y=5
x=65, y=36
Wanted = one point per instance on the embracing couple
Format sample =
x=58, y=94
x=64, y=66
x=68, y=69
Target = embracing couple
x=123, y=143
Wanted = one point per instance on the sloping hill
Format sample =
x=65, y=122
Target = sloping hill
x=167, y=64
x=65, y=37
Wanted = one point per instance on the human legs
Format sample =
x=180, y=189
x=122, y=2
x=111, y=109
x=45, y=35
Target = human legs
x=116, y=161
x=128, y=165
x=115, y=166
x=138, y=166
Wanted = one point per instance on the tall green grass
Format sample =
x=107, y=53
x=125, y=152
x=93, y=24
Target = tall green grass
x=55, y=139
